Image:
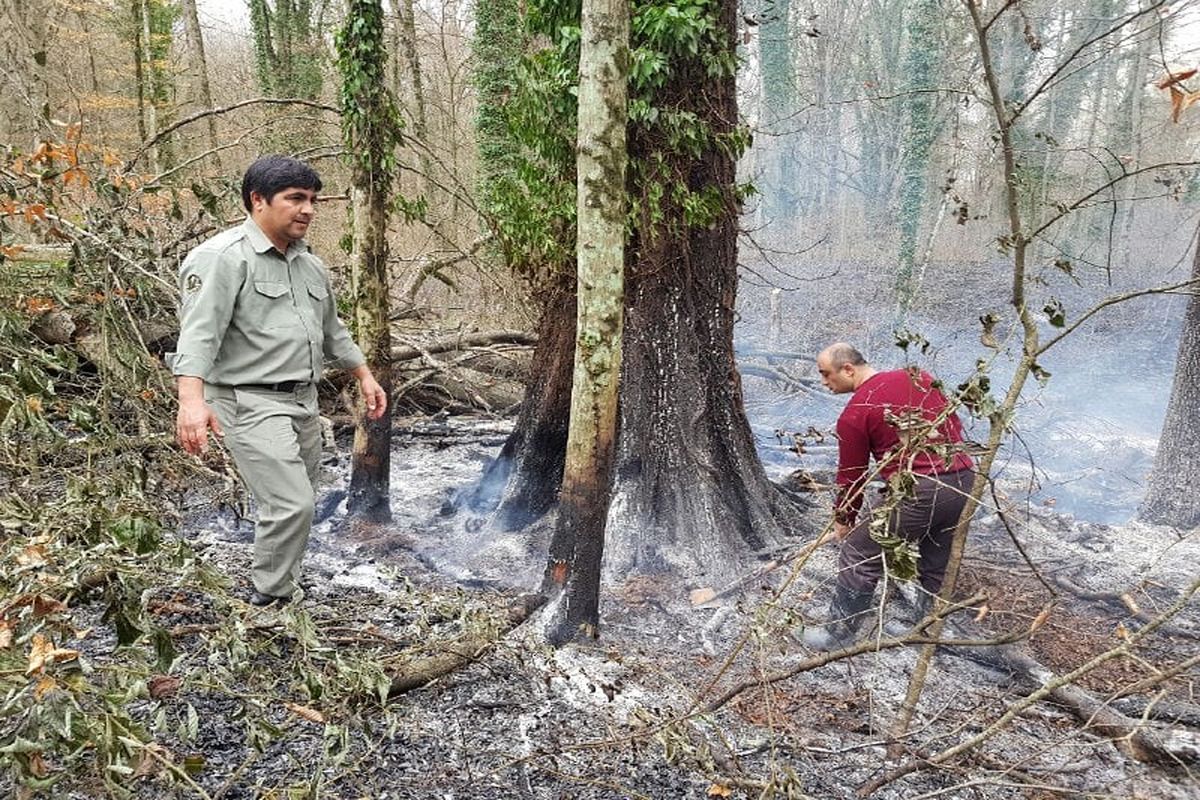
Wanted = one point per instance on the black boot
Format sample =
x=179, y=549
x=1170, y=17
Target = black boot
x=908, y=613
x=846, y=613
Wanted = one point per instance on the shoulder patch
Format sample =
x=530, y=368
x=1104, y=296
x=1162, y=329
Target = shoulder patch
x=192, y=284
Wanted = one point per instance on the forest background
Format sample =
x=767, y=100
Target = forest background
x=877, y=209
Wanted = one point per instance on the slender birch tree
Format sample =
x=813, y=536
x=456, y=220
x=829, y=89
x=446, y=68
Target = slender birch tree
x=577, y=547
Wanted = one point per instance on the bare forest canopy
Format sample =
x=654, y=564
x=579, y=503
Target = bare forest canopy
x=1003, y=192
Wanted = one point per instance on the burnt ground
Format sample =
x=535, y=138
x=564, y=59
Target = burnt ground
x=609, y=719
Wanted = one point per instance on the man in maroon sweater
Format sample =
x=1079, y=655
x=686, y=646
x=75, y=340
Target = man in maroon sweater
x=900, y=419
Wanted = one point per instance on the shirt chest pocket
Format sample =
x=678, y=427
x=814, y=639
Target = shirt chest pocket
x=273, y=306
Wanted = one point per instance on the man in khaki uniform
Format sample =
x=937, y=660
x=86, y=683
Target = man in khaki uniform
x=258, y=321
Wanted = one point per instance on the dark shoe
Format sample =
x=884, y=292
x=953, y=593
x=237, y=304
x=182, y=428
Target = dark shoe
x=847, y=611
x=261, y=600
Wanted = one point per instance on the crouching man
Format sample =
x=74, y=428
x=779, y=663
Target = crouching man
x=879, y=421
x=258, y=321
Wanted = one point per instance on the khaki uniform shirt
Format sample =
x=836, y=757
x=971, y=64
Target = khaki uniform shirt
x=251, y=315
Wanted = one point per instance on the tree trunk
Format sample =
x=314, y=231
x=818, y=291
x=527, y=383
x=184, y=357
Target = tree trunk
x=370, y=129
x=921, y=69
x=522, y=483
x=1171, y=496
x=578, y=542
x=689, y=492
x=191, y=21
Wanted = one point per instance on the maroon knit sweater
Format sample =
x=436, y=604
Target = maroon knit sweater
x=863, y=431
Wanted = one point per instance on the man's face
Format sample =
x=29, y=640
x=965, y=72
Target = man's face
x=838, y=380
x=286, y=216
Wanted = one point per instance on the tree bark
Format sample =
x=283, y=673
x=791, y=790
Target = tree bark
x=191, y=21
x=577, y=545
x=1171, y=496
x=689, y=492
x=522, y=483
x=370, y=128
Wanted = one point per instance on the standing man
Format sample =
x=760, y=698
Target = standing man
x=900, y=419
x=257, y=322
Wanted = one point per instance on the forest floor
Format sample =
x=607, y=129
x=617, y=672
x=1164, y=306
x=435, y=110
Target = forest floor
x=285, y=703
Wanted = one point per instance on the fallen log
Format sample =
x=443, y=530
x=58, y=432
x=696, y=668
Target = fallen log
x=462, y=341
x=426, y=668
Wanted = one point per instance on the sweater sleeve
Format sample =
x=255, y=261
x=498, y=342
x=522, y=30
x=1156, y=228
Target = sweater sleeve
x=854, y=455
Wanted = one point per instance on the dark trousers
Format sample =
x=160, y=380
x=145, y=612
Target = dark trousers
x=927, y=519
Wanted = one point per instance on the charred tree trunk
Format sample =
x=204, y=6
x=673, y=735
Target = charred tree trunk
x=577, y=546
x=689, y=493
x=522, y=483
x=1171, y=496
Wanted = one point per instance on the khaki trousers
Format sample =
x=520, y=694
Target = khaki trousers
x=275, y=440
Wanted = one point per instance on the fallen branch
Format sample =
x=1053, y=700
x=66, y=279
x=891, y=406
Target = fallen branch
x=873, y=645
x=462, y=341
x=428, y=668
x=1052, y=684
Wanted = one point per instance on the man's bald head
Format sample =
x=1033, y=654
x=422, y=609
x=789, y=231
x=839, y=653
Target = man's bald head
x=841, y=353
x=843, y=368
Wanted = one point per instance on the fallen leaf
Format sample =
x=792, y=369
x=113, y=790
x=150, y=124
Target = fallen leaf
x=43, y=652
x=984, y=610
x=1130, y=603
x=310, y=714
x=1039, y=620
x=44, y=686
x=43, y=606
x=1122, y=632
x=148, y=764
x=719, y=790
x=161, y=686
x=702, y=595
x=37, y=765
x=6, y=633
x=33, y=555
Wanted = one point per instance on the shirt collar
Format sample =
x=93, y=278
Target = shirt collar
x=261, y=244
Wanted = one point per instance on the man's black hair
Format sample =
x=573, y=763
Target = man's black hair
x=270, y=175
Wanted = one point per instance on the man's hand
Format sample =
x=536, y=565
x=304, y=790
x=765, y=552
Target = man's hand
x=373, y=394
x=195, y=417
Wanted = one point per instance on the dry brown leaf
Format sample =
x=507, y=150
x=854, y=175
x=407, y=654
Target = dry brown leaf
x=719, y=790
x=1172, y=78
x=702, y=595
x=984, y=610
x=43, y=605
x=6, y=633
x=148, y=764
x=43, y=652
x=310, y=714
x=37, y=765
x=1130, y=603
x=161, y=686
x=33, y=555
x=1122, y=632
x=1180, y=100
x=1039, y=620
x=44, y=686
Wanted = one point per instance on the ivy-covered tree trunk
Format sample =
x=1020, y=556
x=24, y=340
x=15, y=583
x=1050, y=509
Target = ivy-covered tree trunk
x=371, y=129
x=578, y=542
x=689, y=493
x=1171, y=496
